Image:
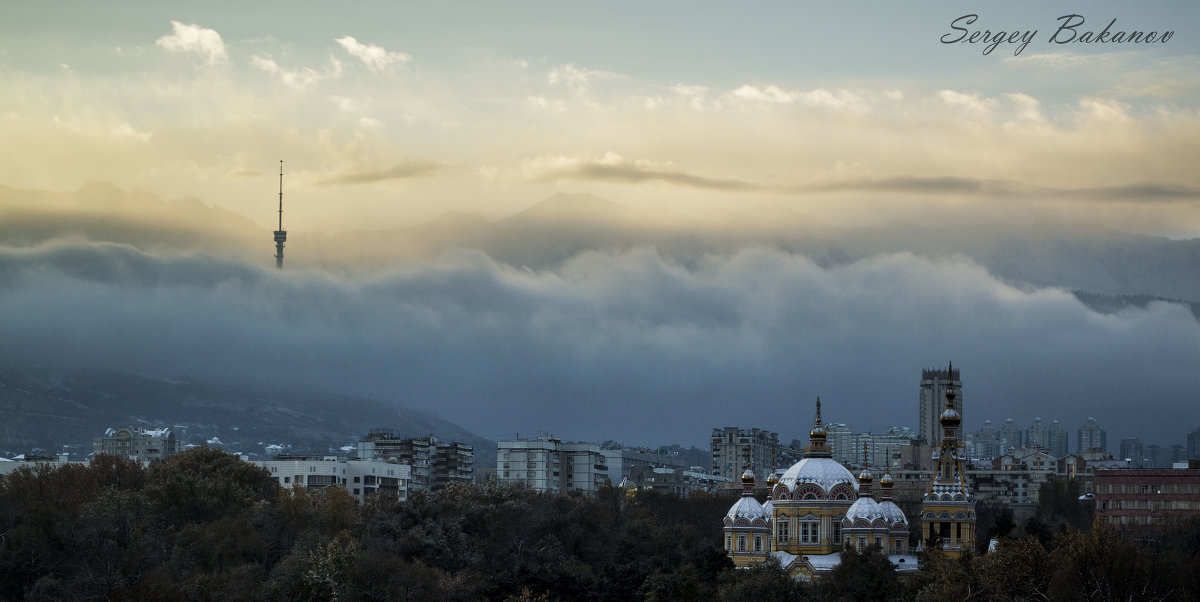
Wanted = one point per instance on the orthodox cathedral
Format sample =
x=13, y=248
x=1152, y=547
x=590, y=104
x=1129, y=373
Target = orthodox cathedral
x=818, y=508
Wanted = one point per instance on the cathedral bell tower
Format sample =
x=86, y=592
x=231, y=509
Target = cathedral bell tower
x=947, y=509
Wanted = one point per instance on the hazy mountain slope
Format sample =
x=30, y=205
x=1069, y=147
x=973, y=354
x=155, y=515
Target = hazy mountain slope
x=45, y=408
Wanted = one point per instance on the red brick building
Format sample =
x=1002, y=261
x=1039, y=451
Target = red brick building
x=1128, y=499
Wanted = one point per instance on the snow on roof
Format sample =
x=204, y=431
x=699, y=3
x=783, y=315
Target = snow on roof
x=825, y=562
x=785, y=559
x=215, y=441
x=892, y=513
x=865, y=508
x=746, y=507
x=904, y=562
x=6, y=460
x=822, y=472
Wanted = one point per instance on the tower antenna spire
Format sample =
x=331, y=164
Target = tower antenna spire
x=280, y=234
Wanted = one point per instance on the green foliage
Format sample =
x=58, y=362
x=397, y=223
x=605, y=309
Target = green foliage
x=1059, y=504
x=201, y=484
x=206, y=526
x=867, y=575
x=767, y=581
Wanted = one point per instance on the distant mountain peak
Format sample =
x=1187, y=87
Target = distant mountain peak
x=573, y=206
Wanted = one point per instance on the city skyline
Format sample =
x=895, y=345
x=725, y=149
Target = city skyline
x=603, y=219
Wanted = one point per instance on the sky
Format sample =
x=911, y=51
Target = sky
x=393, y=114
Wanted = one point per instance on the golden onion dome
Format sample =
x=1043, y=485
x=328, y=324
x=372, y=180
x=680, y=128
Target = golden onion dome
x=886, y=481
x=950, y=417
x=748, y=477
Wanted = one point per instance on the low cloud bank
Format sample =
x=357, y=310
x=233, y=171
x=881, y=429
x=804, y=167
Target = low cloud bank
x=626, y=345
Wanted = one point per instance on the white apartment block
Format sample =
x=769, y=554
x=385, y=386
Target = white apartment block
x=549, y=465
x=361, y=478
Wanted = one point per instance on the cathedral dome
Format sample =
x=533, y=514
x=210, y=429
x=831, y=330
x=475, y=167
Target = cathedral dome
x=892, y=513
x=825, y=473
x=819, y=470
x=866, y=509
x=746, y=507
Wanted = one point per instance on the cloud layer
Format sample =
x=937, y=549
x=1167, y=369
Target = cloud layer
x=613, y=345
x=201, y=41
x=1116, y=148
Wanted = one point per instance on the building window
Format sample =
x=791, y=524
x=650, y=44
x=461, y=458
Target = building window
x=728, y=541
x=879, y=542
x=783, y=530
x=837, y=529
x=741, y=543
x=757, y=543
x=810, y=531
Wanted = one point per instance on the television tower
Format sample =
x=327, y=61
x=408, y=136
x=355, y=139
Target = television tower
x=280, y=234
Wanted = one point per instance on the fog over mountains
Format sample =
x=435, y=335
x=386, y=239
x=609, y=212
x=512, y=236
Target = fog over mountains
x=593, y=320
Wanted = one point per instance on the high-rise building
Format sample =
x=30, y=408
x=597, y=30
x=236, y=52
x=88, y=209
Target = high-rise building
x=1178, y=455
x=735, y=450
x=435, y=463
x=1193, y=443
x=1157, y=456
x=1038, y=435
x=1091, y=436
x=840, y=441
x=987, y=442
x=1010, y=437
x=934, y=385
x=549, y=465
x=846, y=446
x=1056, y=440
x=1131, y=449
x=137, y=443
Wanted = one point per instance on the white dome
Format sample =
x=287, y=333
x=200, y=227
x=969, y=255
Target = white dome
x=820, y=471
x=746, y=507
x=769, y=508
x=864, y=508
x=892, y=513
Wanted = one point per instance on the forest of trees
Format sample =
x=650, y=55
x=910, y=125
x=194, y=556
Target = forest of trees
x=203, y=525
